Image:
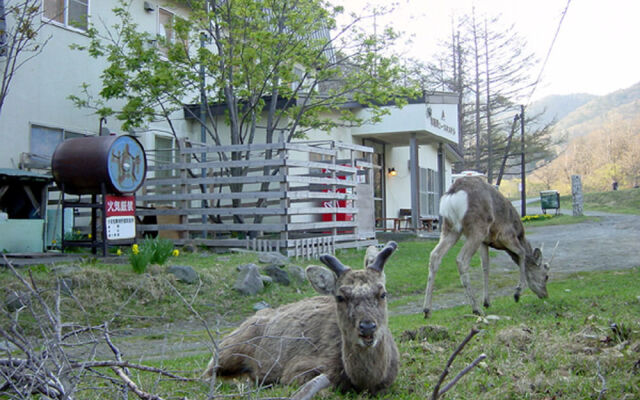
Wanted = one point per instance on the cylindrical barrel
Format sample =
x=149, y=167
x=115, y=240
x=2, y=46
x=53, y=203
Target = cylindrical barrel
x=82, y=165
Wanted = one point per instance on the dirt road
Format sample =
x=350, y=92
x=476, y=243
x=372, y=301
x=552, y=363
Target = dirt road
x=612, y=242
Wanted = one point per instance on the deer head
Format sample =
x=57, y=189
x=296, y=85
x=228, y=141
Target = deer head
x=537, y=273
x=361, y=297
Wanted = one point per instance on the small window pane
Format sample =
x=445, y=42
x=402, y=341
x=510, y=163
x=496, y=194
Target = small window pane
x=54, y=10
x=78, y=11
x=166, y=25
x=45, y=140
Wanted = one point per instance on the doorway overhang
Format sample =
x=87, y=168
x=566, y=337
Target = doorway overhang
x=434, y=120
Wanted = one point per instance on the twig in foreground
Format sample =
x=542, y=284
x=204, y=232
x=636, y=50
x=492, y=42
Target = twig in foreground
x=436, y=390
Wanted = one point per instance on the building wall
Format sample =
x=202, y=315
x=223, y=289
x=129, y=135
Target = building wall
x=39, y=91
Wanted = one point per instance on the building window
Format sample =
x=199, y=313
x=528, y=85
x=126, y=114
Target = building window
x=44, y=140
x=428, y=195
x=165, y=29
x=69, y=13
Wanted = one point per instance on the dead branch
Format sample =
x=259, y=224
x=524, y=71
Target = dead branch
x=436, y=390
x=312, y=387
x=134, y=388
x=127, y=364
x=462, y=373
x=210, y=334
x=604, y=382
x=44, y=365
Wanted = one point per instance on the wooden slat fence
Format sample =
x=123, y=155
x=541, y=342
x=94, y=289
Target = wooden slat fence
x=299, y=198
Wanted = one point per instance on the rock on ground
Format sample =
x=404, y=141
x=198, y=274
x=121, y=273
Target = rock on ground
x=184, y=273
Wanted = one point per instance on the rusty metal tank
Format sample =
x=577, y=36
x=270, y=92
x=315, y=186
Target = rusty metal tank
x=81, y=165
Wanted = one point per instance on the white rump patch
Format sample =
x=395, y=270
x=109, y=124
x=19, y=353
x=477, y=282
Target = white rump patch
x=453, y=207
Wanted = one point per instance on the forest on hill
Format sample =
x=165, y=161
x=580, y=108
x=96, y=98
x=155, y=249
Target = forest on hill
x=601, y=142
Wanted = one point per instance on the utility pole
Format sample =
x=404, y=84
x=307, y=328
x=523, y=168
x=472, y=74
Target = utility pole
x=523, y=211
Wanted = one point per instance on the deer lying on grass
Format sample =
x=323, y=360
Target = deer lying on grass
x=342, y=336
x=475, y=209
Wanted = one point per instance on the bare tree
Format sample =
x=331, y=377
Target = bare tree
x=20, y=26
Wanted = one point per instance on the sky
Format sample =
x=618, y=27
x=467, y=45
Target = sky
x=595, y=52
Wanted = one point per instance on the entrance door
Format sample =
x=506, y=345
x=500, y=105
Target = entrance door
x=378, y=180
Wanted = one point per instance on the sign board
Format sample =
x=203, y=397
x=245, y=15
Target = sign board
x=120, y=217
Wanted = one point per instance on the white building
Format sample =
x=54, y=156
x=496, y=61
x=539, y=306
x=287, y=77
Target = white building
x=37, y=114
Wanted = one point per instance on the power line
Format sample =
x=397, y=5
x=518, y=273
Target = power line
x=544, y=64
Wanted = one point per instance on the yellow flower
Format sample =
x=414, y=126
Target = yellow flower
x=118, y=252
x=176, y=252
x=89, y=235
x=135, y=249
x=54, y=241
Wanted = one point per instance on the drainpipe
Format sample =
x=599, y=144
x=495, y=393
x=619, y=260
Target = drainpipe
x=441, y=175
x=415, y=182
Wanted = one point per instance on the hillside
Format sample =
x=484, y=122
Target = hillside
x=621, y=105
x=556, y=107
x=602, y=144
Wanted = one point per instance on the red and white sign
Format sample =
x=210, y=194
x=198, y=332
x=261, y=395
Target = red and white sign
x=120, y=213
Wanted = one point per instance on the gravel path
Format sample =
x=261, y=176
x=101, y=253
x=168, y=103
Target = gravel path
x=612, y=242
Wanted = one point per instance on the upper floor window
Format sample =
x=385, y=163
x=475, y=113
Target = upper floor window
x=165, y=28
x=70, y=13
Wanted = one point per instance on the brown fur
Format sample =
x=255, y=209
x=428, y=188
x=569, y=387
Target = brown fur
x=320, y=335
x=489, y=221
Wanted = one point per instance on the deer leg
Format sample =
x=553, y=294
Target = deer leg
x=484, y=256
x=447, y=240
x=464, y=260
x=518, y=253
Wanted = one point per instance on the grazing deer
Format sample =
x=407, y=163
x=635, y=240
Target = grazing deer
x=475, y=209
x=342, y=336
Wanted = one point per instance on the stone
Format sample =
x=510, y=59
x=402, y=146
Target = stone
x=296, y=274
x=249, y=281
x=273, y=258
x=16, y=300
x=278, y=274
x=189, y=248
x=244, y=267
x=261, y=305
x=184, y=273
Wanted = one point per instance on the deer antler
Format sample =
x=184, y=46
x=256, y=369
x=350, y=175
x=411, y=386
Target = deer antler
x=554, y=252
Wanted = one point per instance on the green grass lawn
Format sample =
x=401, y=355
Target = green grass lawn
x=558, y=348
x=536, y=349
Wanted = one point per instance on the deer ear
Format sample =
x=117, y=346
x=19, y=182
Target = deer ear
x=537, y=255
x=381, y=258
x=322, y=280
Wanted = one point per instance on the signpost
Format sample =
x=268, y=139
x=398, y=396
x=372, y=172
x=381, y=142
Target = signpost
x=120, y=217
